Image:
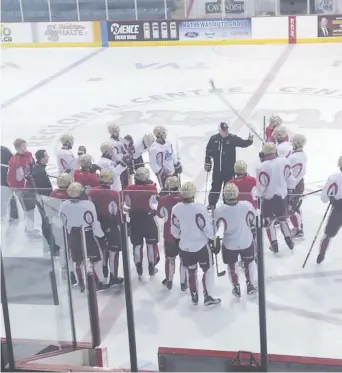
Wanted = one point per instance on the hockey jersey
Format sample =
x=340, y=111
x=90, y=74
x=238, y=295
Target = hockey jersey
x=284, y=149
x=332, y=188
x=190, y=224
x=116, y=171
x=141, y=197
x=86, y=178
x=237, y=221
x=268, y=135
x=59, y=194
x=66, y=161
x=298, y=161
x=247, y=188
x=165, y=205
x=162, y=159
x=19, y=168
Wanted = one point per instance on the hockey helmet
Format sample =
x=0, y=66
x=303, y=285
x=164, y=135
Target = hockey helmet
x=275, y=121
x=269, y=148
x=113, y=129
x=148, y=140
x=279, y=133
x=64, y=180
x=106, y=147
x=75, y=190
x=298, y=141
x=240, y=167
x=160, y=132
x=142, y=174
x=67, y=139
x=172, y=182
x=188, y=190
x=339, y=162
x=230, y=192
x=106, y=176
x=85, y=160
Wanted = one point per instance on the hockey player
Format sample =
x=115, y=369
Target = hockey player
x=66, y=160
x=141, y=200
x=165, y=204
x=245, y=183
x=298, y=162
x=275, y=121
x=222, y=149
x=274, y=183
x=162, y=159
x=77, y=213
x=87, y=174
x=120, y=149
x=284, y=147
x=238, y=219
x=140, y=148
x=63, y=182
x=194, y=232
x=332, y=192
x=108, y=207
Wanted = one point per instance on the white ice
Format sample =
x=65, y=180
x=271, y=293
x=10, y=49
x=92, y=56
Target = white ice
x=304, y=306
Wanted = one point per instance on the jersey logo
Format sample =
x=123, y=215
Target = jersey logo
x=175, y=221
x=168, y=155
x=64, y=164
x=127, y=200
x=153, y=202
x=332, y=190
x=287, y=171
x=88, y=217
x=163, y=213
x=250, y=217
x=223, y=222
x=264, y=179
x=200, y=221
x=159, y=159
x=113, y=208
x=297, y=169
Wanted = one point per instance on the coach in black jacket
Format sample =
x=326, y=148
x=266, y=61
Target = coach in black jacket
x=222, y=149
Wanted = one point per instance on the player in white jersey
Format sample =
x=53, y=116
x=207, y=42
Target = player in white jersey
x=238, y=220
x=274, y=183
x=298, y=162
x=162, y=159
x=117, y=168
x=194, y=233
x=332, y=192
x=140, y=148
x=66, y=160
x=78, y=212
x=284, y=147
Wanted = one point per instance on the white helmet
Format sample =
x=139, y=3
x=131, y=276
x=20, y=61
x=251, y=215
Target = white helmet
x=172, y=182
x=106, y=176
x=148, y=140
x=106, y=147
x=269, y=148
x=240, y=167
x=188, y=190
x=160, y=132
x=85, y=160
x=113, y=129
x=75, y=190
x=142, y=174
x=339, y=162
x=279, y=133
x=275, y=121
x=230, y=192
x=64, y=180
x=67, y=139
x=298, y=141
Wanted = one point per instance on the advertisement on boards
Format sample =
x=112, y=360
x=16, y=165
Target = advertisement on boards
x=329, y=26
x=230, y=7
x=216, y=29
x=63, y=32
x=126, y=31
x=292, y=29
x=15, y=33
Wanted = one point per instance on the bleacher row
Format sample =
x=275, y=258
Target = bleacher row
x=89, y=10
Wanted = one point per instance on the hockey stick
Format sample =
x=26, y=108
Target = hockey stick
x=264, y=129
x=309, y=194
x=218, y=273
x=206, y=188
x=234, y=111
x=318, y=230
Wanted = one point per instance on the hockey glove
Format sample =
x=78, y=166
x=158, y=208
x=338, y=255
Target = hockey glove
x=207, y=166
x=94, y=168
x=81, y=150
x=178, y=168
x=261, y=156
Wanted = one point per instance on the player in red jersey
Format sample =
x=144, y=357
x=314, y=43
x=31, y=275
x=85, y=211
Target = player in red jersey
x=63, y=182
x=244, y=182
x=275, y=121
x=86, y=175
x=109, y=212
x=171, y=196
x=141, y=199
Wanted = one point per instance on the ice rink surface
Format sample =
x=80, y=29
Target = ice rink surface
x=46, y=92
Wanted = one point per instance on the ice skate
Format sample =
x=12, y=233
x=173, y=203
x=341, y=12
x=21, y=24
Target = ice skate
x=81, y=286
x=167, y=284
x=139, y=269
x=274, y=247
x=194, y=298
x=320, y=258
x=289, y=243
x=115, y=280
x=184, y=286
x=152, y=270
x=100, y=286
x=236, y=291
x=298, y=235
x=210, y=301
x=73, y=279
x=251, y=289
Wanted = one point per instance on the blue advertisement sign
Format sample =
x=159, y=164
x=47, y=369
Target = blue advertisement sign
x=216, y=29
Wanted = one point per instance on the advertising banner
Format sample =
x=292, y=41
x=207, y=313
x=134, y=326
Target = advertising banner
x=15, y=33
x=216, y=29
x=329, y=26
x=231, y=7
x=119, y=31
x=292, y=29
x=62, y=32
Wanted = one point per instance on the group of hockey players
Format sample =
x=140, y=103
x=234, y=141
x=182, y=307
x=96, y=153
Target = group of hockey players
x=97, y=199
